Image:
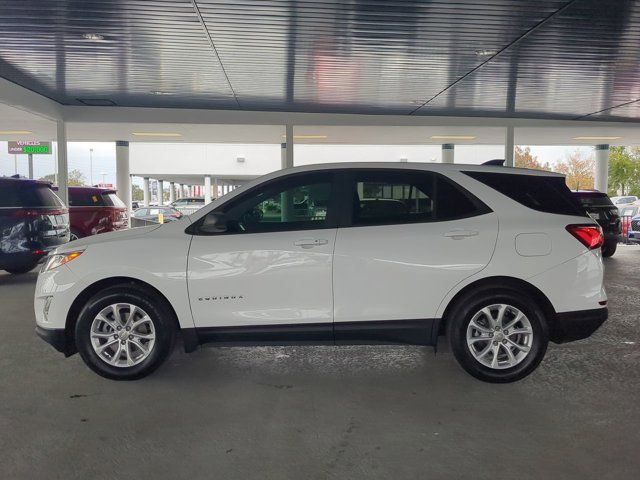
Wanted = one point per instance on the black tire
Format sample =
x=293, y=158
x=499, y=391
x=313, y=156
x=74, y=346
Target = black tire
x=74, y=235
x=157, y=308
x=609, y=248
x=461, y=315
x=20, y=269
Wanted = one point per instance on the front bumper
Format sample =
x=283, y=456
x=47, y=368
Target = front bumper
x=570, y=326
x=57, y=338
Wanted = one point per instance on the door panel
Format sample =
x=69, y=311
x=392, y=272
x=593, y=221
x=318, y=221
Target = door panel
x=403, y=272
x=261, y=279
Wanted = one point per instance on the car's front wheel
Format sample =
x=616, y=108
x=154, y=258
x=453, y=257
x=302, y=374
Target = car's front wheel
x=498, y=336
x=125, y=332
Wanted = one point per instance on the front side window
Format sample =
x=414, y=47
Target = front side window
x=408, y=197
x=293, y=204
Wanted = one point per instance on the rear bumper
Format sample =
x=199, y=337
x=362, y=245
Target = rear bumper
x=570, y=326
x=57, y=338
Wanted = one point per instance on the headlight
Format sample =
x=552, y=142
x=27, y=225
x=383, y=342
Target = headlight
x=54, y=261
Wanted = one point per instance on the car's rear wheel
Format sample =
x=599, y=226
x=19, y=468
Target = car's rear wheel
x=498, y=336
x=125, y=332
x=74, y=235
x=609, y=248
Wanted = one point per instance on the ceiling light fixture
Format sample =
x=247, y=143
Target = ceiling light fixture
x=486, y=52
x=453, y=137
x=92, y=36
x=155, y=134
x=15, y=132
x=596, y=138
x=160, y=92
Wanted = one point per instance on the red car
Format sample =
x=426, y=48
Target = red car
x=95, y=210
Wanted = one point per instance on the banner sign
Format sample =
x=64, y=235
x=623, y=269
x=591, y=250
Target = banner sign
x=33, y=147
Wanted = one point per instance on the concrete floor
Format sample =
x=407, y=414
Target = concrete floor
x=324, y=412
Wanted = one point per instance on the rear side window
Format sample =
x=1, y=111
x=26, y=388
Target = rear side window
x=28, y=196
x=112, y=200
x=85, y=199
x=541, y=193
x=589, y=199
x=382, y=197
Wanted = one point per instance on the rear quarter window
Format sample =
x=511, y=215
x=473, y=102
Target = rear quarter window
x=542, y=193
x=28, y=196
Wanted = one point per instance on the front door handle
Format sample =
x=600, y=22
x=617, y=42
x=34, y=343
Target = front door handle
x=310, y=242
x=460, y=234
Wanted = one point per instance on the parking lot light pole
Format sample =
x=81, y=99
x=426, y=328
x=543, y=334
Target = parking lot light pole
x=602, y=168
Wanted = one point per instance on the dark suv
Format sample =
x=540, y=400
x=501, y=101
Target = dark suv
x=600, y=207
x=33, y=220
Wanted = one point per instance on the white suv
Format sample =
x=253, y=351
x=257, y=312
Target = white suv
x=500, y=259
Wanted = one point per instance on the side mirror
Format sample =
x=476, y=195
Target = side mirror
x=214, y=223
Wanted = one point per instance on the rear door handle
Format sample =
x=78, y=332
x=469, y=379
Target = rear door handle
x=310, y=242
x=460, y=234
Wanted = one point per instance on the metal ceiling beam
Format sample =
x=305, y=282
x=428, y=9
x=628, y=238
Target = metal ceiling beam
x=29, y=101
x=159, y=116
x=515, y=42
x=213, y=47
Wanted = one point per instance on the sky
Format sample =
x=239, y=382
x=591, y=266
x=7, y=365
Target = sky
x=104, y=159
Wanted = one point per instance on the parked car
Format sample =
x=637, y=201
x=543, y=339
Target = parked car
x=625, y=200
x=95, y=210
x=169, y=214
x=33, y=221
x=188, y=205
x=627, y=212
x=602, y=210
x=633, y=234
x=502, y=259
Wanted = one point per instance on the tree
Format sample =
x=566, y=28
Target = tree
x=74, y=179
x=525, y=159
x=578, y=169
x=624, y=171
x=137, y=195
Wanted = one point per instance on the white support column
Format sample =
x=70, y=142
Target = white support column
x=286, y=148
x=145, y=191
x=123, y=174
x=448, y=152
x=172, y=192
x=216, y=193
x=31, y=166
x=207, y=189
x=509, y=147
x=63, y=173
x=160, y=192
x=602, y=168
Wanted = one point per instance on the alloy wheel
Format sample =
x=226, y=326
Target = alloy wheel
x=499, y=336
x=122, y=335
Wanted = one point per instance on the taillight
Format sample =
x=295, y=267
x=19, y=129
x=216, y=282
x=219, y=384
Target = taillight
x=588, y=235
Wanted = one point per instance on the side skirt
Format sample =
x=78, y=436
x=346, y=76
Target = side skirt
x=380, y=332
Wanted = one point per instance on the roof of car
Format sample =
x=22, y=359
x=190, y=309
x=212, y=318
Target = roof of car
x=430, y=166
x=24, y=181
x=85, y=189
